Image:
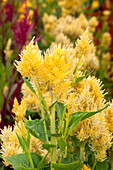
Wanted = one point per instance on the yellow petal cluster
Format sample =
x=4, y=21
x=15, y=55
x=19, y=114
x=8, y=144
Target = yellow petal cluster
x=53, y=72
x=70, y=7
x=109, y=117
x=106, y=40
x=31, y=60
x=64, y=30
x=90, y=97
x=10, y=145
x=19, y=110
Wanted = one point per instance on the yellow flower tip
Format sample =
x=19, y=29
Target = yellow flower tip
x=15, y=105
x=95, y=4
x=83, y=43
x=85, y=167
x=19, y=110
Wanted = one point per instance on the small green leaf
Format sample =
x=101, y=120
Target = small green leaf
x=59, y=108
x=29, y=85
x=22, y=143
x=36, y=128
x=81, y=78
x=70, y=166
x=85, y=115
x=55, y=135
x=62, y=144
x=76, y=117
x=74, y=125
x=48, y=146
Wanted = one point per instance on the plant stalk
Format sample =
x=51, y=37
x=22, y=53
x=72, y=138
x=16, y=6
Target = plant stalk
x=94, y=164
x=42, y=110
x=82, y=152
x=111, y=158
x=53, y=139
x=30, y=158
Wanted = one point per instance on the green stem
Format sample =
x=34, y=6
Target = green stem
x=53, y=139
x=60, y=157
x=30, y=158
x=65, y=155
x=82, y=152
x=41, y=107
x=111, y=158
x=94, y=164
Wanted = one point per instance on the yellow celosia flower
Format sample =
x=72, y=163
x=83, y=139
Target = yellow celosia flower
x=106, y=12
x=31, y=60
x=106, y=60
x=10, y=145
x=93, y=22
x=23, y=5
x=106, y=40
x=19, y=110
x=83, y=44
x=95, y=4
x=88, y=96
x=109, y=117
x=53, y=73
x=70, y=7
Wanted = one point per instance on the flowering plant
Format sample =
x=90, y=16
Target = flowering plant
x=68, y=99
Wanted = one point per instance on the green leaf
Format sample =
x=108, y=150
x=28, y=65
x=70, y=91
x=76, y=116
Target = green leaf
x=29, y=85
x=76, y=117
x=74, y=125
x=61, y=110
x=21, y=160
x=22, y=143
x=48, y=146
x=102, y=165
x=85, y=115
x=55, y=135
x=42, y=161
x=62, y=144
x=36, y=128
x=70, y=166
x=81, y=78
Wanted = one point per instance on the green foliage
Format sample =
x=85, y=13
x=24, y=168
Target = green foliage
x=36, y=128
x=48, y=146
x=70, y=166
x=76, y=117
x=102, y=165
x=21, y=161
x=62, y=143
x=22, y=143
x=80, y=78
x=29, y=85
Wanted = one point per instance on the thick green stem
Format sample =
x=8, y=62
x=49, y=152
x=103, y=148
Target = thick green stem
x=94, y=164
x=111, y=158
x=30, y=158
x=53, y=139
x=82, y=152
x=41, y=107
